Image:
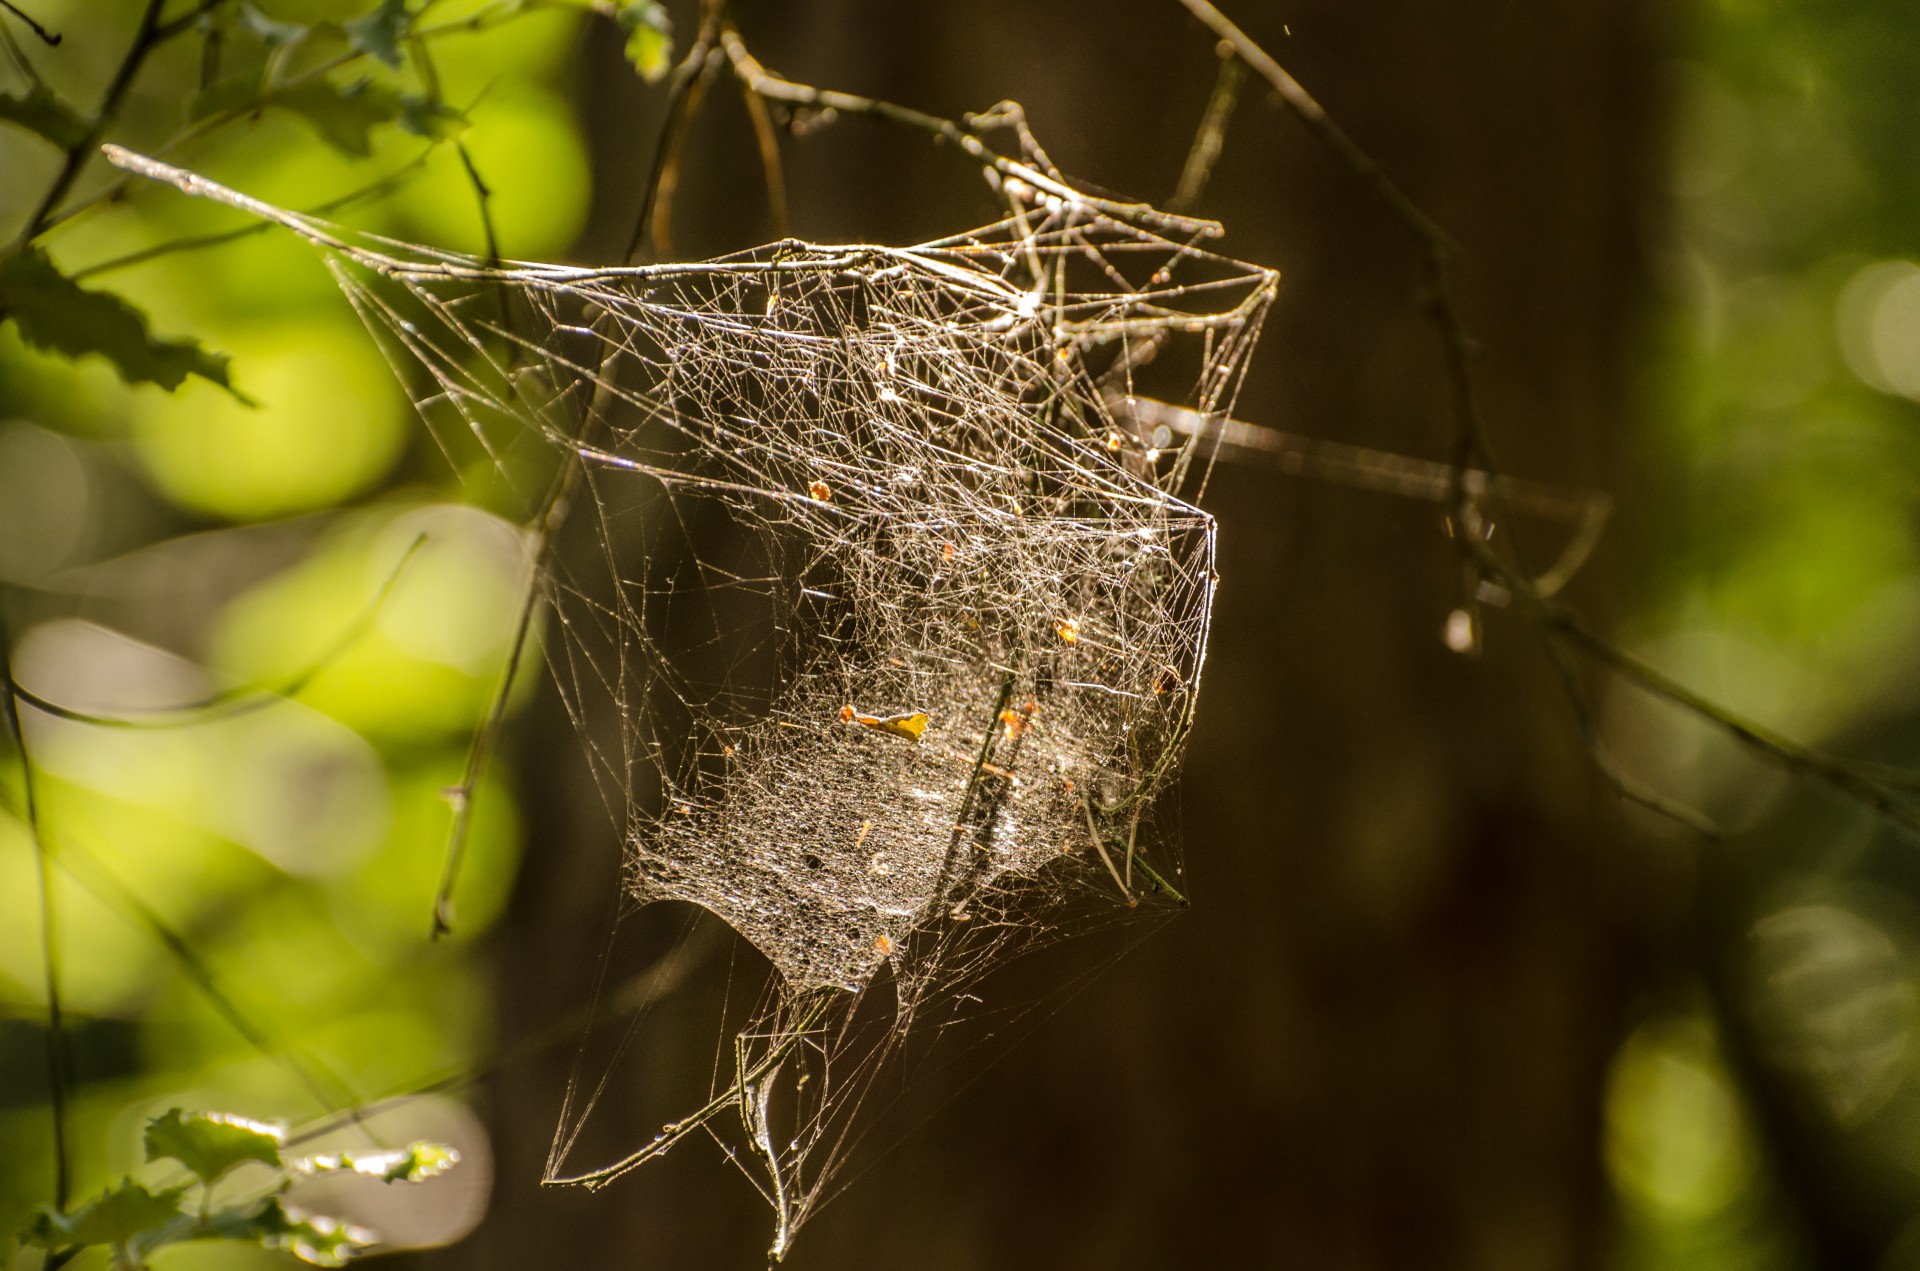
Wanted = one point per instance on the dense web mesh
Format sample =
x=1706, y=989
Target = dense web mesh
x=880, y=612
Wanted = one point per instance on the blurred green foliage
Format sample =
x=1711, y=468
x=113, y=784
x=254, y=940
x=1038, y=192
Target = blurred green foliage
x=1760, y=1115
x=131, y=1222
x=211, y=483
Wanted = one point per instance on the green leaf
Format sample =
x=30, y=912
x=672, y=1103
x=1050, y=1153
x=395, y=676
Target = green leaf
x=42, y=112
x=271, y=31
x=116, y=1216
x=649, y=37
x=274, y=1225
x=58, y=315
x=411, y=1164
x=378, y=34
x=434, y=120
x=235, y=93
x=211, y=1143
x=344, y=116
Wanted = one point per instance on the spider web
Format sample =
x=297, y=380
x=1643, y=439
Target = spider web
x=880, y=613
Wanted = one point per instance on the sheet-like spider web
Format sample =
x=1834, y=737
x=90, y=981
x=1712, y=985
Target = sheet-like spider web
x=881, y=615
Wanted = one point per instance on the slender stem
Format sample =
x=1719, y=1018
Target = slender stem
x=1314, y=115
x=684, y=93
x=1100, y=846
x=246, y=697
x=753, y=1099
x=1160, y=884
x=1839, y=774
x=199, y=242
x=167, y=30
x=481, y=746
x=547, y=523
x=50, y=38
x=49, y=934
x=480, y=21
x=1212, y=133
x=986, y=750
x=674, y=1131
x=768, y=141
x=145, y=39
x=483, y=202
x=962, y=137
x=1624, y=783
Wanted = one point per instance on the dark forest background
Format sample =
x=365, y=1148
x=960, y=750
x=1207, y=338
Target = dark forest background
x=1443, y=999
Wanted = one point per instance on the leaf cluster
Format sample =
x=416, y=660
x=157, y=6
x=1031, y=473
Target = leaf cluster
x=132, y=1220
x=344, y=78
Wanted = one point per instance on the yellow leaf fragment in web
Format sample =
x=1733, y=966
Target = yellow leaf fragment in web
x=909, y=725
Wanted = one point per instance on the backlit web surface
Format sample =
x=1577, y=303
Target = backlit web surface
x=881, y=616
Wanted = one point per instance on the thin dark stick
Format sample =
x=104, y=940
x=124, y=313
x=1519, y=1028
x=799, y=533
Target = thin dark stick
x=483, y=202
x=1212, y=132
x=684, y=91
x=327, y=1087
x=1846, y=777
x=768, y=140
x=200, y=242
x=551, y=516
x=145, y=39
x=244, y=699
x=50, y=38
x=49, y=942
x=674, y=1131
x=1302, y=103
x=113, y=190
x=478, y=750
x=963, y=138
x=185, y=21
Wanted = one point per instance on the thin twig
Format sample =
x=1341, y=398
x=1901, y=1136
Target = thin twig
x=635, y=995
x=200, y=242
x=483, y=203
x=1624, y=783
x=481, y=21
x=674, y=1131
x=244, y=698
x=1315, y=117
x=184, y=23
x=684, y=92
x=1100, y=846
x=50, y=38
x=327, y=1087
x=145, y=39
x=1842, y=775
x=768, y=141
x=547, y=524
x=461, y=796
x=957, y=133
x=49, y=934
x=1212, y=133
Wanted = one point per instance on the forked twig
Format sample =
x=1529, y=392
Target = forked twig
x=674, y=1131
x=50, y=38
x=147, y=37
